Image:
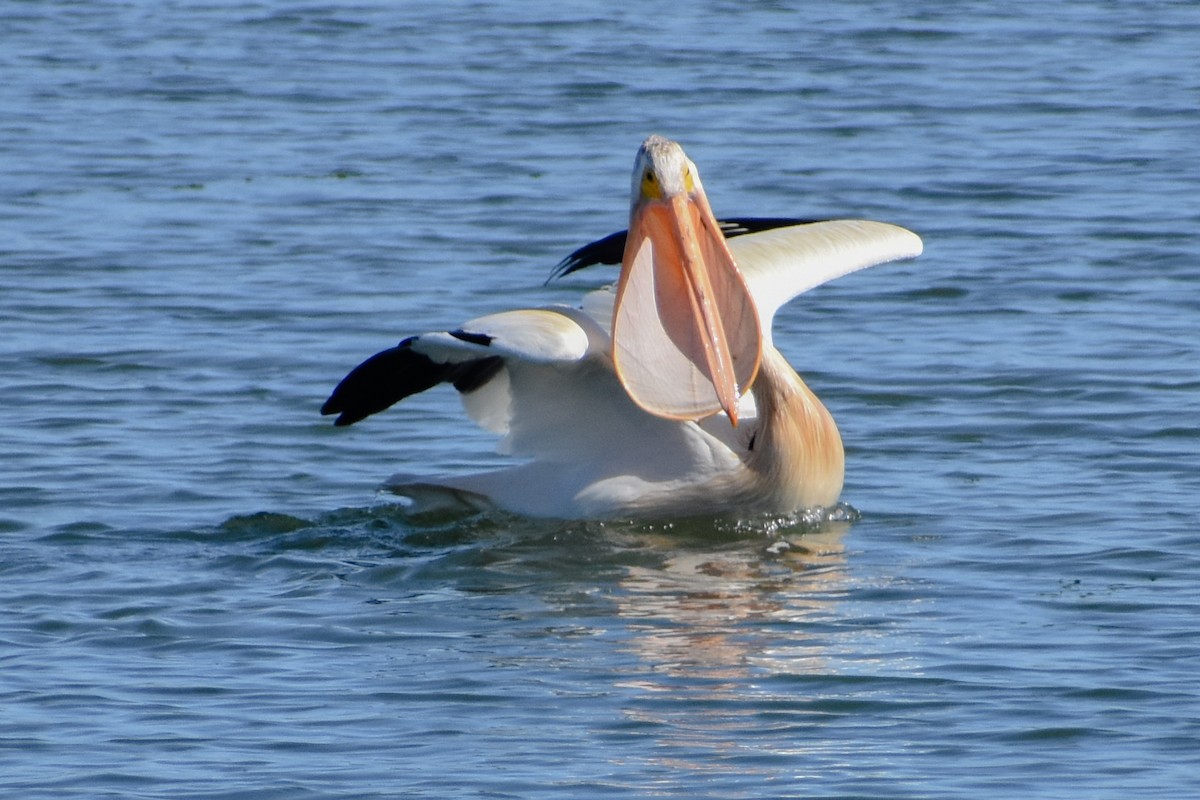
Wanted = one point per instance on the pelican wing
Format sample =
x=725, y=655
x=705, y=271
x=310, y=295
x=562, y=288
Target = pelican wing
x=538, y=335
x=471, y=358
x=782, y=263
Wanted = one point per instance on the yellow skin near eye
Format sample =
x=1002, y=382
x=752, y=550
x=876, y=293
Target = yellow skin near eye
x=650, y=188
x=652, y=191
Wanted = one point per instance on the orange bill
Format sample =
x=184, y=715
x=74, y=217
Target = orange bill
x=686, y=337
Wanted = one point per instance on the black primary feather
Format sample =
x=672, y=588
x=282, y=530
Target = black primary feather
x=611, y=249
x=389, y=376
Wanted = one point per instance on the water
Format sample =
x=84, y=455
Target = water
x=211, y=211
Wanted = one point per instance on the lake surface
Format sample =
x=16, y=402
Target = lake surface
x=210, y=211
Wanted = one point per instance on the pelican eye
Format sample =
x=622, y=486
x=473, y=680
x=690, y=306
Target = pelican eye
x=650, y=187
x=689, y=182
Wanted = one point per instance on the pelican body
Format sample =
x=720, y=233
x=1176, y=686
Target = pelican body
x=664, y=395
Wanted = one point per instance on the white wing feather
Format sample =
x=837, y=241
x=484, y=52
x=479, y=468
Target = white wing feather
x=783, y=263
x=535, y=337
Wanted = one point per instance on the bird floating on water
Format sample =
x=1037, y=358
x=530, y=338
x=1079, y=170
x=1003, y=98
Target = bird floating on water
x=663, y=396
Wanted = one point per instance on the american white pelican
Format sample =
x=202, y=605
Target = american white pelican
x=663, y=396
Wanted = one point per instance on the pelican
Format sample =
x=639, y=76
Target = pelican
x=662, y=396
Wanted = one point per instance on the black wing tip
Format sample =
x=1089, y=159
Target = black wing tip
x=391, y=375
x=608, y=250
x=371, y=387
x=740, y=226
x=481, y=339
x=346, y=416
x=331, y=406
x=334, y=406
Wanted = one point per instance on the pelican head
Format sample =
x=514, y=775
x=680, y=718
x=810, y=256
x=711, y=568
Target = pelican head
x=686, y=336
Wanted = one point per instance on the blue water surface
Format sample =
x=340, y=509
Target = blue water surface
x=210, y=211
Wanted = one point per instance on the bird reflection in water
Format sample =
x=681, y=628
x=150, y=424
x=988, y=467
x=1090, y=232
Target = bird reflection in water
x=717, y=632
